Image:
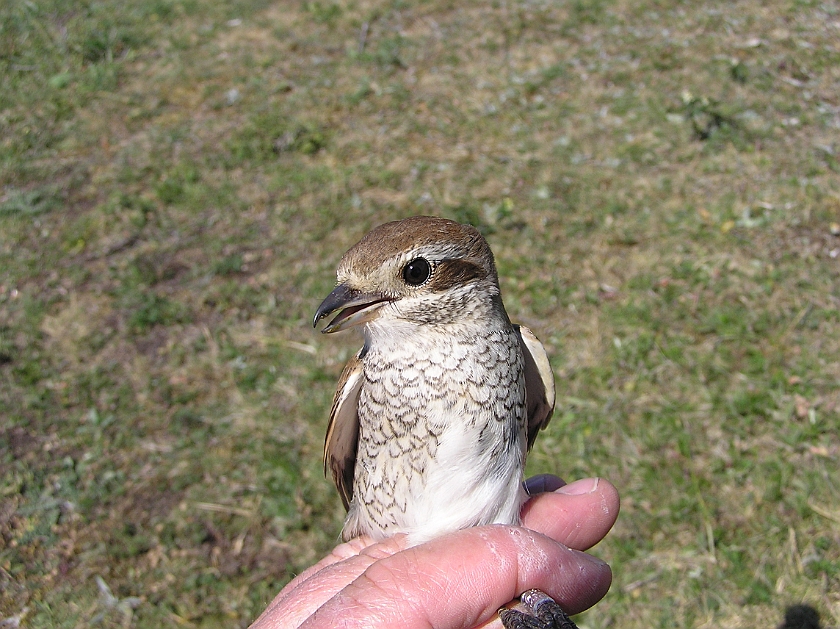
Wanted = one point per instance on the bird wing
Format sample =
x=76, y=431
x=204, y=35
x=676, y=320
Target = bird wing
x=539, y=383
x=343, y=430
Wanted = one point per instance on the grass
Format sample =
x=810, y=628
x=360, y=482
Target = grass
x=659, y=182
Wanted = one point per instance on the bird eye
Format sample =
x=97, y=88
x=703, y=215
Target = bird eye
x=417, y=271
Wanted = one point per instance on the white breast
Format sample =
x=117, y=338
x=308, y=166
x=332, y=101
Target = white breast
x=442, y=434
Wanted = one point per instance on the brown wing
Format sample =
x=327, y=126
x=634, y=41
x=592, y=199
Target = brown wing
x=343, y=430
x=539, y=383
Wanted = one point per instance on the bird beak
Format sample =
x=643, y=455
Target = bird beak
x=356, y=307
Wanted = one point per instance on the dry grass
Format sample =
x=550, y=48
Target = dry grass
x=658, y=182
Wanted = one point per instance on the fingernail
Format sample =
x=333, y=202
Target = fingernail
x=543, y=483
x=580, y=487
x=593, y=559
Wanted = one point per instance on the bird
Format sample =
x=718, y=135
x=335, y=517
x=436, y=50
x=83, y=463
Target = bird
x=433, y=418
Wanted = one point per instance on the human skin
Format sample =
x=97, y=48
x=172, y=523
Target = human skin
x=460, y=580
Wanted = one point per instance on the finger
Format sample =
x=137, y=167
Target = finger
x=320, y=582
x=578, y=515
x=339, y=553
x=461, y=580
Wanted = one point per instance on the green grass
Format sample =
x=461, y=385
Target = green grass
x=659, y=182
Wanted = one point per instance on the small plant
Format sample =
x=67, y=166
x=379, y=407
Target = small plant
x=150, y=310
x=707, y=116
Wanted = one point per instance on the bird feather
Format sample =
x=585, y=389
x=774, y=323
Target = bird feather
x=539, y=383
x=342, y=439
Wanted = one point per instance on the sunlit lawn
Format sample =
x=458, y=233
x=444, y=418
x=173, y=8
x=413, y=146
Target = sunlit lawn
x=659, y=182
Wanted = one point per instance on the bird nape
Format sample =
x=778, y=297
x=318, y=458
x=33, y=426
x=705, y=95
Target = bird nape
x=434, y=416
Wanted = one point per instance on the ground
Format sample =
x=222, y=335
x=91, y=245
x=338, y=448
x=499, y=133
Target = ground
x=178, y=180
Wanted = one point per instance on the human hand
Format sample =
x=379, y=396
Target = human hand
x=460, y=579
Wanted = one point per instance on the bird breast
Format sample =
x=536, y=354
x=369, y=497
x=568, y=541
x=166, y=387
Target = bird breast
x=441, y=434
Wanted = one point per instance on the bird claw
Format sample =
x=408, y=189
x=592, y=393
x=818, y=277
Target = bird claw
x=540, y=612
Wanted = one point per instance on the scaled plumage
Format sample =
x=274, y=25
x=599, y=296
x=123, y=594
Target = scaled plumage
x=433, y=417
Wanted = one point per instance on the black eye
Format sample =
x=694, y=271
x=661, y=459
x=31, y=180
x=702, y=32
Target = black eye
x=417, y=271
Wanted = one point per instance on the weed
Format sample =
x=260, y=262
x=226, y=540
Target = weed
x=178, y=181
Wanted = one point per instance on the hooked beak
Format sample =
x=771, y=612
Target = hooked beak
x=355, y=307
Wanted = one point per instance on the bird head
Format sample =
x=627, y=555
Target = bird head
x=420, y=270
